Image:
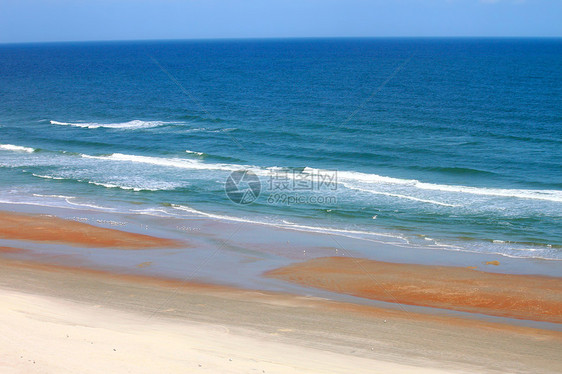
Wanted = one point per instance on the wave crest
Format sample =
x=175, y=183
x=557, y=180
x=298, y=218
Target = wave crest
x=368, y=181
x=16, y=148
x=134, y=124
x=194, y=153
x=169, y=162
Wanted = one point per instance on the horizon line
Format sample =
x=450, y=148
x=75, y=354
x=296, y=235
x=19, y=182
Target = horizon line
x=278, y=38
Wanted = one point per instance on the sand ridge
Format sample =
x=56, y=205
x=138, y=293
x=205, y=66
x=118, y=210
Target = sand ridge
x=529, y=297
x=52, y=229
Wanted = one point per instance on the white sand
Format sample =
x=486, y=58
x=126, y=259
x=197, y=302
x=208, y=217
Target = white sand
x=40, y=334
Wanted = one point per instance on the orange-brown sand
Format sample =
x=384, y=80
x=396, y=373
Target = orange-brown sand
x=11, y=250
x=529, y=297
x=56, y=230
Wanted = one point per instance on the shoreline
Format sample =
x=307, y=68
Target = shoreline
x=465, y=289
x=342, y=336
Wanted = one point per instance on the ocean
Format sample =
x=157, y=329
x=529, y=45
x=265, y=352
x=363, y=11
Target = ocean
x=445, y=144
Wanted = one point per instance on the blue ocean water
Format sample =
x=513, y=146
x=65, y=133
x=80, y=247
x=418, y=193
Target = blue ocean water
x=454, y=144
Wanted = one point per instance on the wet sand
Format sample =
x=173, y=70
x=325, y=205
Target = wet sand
x=50, y=229
x=12, y=250
x=529, y=297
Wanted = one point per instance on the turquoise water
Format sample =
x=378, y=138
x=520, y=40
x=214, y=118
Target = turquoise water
x=451, y=144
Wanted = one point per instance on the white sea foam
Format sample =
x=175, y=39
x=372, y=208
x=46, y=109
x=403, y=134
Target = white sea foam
x=194, y=153
x=147, y=186
x=374, y=192
x=153, y=212
x=47, y=177
x=16, y=148
x=169, y=162
x=135, y=124
x=363, y=180
x=408, y=189
x=292, y=226
x=154, y=186
x=49, y=202
x=112, y=185
x=55, y=196
x=372, y=183
x=88, y=205
x=68, y=199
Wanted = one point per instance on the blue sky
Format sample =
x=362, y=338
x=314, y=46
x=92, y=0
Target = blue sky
x=66, y=20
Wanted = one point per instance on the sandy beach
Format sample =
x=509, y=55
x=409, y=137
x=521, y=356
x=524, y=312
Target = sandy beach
x=71, y=319
x=120, y=323
x=71, y=337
